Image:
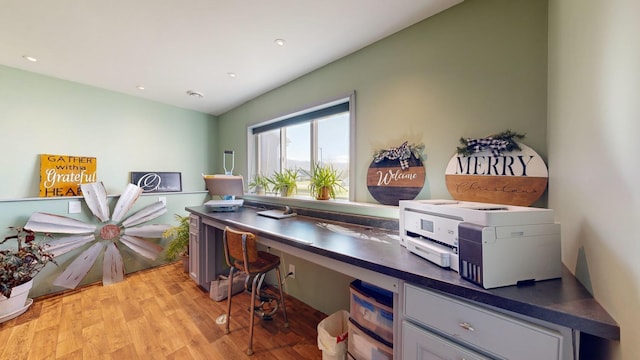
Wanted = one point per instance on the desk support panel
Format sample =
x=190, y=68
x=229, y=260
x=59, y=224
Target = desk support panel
x=211, y=255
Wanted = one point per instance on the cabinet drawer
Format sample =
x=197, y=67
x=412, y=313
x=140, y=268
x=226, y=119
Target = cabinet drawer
x=418, y=343
x=484, y=329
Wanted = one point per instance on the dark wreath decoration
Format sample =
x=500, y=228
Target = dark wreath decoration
x=497, y=144
x=401, y=153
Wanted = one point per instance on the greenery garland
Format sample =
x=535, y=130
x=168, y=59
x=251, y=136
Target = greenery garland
x=401, y=153
x=497, y=143
x=415, y=149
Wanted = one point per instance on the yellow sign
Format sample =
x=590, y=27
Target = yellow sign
x=61, y=175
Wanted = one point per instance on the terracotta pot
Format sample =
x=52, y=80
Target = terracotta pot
x=185, y=263
x=324, y=193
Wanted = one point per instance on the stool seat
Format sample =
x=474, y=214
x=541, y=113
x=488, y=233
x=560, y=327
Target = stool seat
x=241, y=254
x=264, y=262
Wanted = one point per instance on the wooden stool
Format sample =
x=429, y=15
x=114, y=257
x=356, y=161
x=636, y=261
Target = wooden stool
x=241, y=254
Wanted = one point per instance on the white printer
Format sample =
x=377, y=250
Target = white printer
x=491, y=245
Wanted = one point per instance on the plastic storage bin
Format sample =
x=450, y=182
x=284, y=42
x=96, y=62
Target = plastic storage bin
x=219, y=289
x=364, y=347
x=372, y=308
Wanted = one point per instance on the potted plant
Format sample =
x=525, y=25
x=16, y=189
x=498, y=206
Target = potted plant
x=18, y=267
x=260, y=184
x=284, y=182
x=324, y=181
x=178, y=246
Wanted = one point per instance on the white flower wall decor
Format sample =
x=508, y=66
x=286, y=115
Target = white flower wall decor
x=112, y=231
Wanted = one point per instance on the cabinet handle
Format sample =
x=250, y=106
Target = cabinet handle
x=466, y=326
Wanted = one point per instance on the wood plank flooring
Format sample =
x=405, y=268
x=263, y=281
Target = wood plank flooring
x=154, y=314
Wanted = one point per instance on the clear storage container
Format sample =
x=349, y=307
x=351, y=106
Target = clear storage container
x=372, y=308
x=364, y=347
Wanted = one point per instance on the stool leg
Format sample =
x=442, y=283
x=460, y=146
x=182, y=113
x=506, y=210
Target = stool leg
x=251, y=310
x=231, y=271
x=284, y=308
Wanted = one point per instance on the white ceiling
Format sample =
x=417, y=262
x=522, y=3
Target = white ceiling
x=172, y=46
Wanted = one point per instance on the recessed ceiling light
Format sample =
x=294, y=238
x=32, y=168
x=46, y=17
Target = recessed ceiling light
x=231, y=74
x=30, y=58
x=140, y=87
x=194, y=93
x=279, y=42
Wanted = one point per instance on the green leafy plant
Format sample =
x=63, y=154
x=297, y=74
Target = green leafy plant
x=179, y=244
x=324, y=181
x=259, y=183
x=285, y=182
x=20, y=265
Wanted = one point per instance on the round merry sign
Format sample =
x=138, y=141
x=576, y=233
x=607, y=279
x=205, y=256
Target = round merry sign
x=511, y=178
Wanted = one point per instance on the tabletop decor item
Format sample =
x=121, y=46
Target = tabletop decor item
x=496, y=169
x=260, y=184
x=396, y=174
x=157, y=181
x=114, y=230
x=324, y=181
x=18, y=266
x=284, y=182
x=60, y=175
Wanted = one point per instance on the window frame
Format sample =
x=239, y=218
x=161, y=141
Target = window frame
x=253, y=147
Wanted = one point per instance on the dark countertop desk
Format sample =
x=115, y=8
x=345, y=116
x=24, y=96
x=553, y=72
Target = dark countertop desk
x=561, y=301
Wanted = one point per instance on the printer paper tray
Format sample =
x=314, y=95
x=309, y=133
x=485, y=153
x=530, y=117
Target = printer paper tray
x=437, y=254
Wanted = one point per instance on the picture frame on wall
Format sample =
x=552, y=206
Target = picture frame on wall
x=157, y=181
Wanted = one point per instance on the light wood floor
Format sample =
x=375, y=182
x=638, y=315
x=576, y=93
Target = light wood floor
x=154, y=314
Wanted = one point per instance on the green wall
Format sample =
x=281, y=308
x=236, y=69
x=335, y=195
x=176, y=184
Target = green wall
x=45, y=115
x=476, y=69
x=40, y=114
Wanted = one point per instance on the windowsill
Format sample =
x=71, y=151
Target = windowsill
x=337, y=205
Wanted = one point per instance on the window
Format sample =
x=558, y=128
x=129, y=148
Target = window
x=322, y=134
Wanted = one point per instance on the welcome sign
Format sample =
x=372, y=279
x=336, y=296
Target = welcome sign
x=516, y=177
x=61, y=175
x=396, y=174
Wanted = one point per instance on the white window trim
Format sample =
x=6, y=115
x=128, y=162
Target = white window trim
x=351, y=98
